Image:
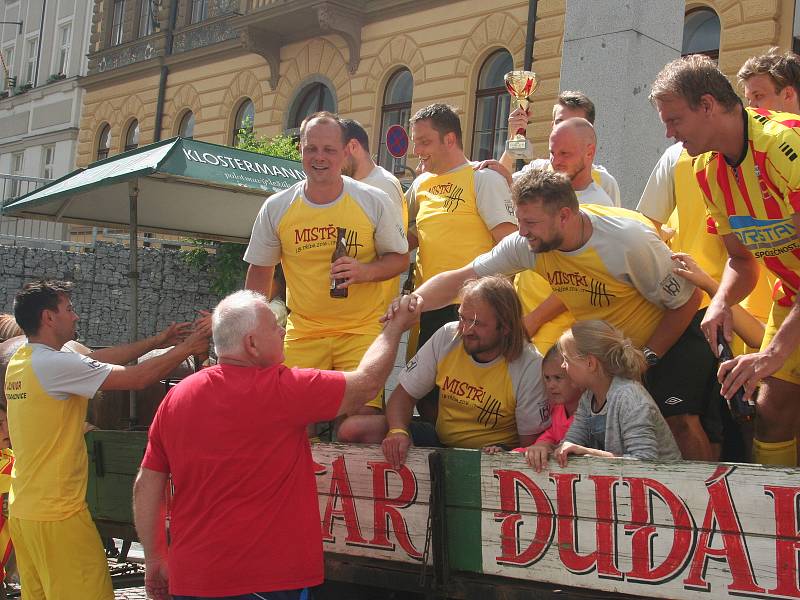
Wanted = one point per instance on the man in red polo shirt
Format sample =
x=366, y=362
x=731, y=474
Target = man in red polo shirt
x=244, y=514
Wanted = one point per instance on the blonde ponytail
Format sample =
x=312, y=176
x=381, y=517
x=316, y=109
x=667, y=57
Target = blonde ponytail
x=616, y=354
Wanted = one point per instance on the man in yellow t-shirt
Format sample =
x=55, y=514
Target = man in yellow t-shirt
x=572, y=145
x=59, y=552
x=298, y=228
x=488, y=376
x=455, y=212
x=605, y=263
x=748, y=170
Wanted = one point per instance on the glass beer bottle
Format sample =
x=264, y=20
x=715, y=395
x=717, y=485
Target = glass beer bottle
x=741, y=410
x=339, y=250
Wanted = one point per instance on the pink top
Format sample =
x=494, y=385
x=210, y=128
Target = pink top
x=559, y=424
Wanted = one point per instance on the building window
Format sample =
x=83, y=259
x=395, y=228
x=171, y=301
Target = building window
x=245, y=120
x=31, y=46
x=396, y=110
x=64, y=43
x=17, y=168
x=313, y=98
x=492, y=103
x=104, y=142
x=8, y=67
x=186, y=127
x=701, y=31
x=147, y=17
x=117, y=20
x=132, y=136
x=48, y=158
x=199, y=11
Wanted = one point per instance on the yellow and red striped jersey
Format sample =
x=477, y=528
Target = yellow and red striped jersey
x=755, y=200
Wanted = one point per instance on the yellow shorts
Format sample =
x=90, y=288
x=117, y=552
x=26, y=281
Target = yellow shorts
x=340, y=352
x=61, y=560
x=790, y=371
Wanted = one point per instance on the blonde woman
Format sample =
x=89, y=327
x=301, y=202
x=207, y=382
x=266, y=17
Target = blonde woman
x=616, y=416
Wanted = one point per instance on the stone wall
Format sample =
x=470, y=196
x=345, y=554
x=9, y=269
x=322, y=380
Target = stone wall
x=169, y=289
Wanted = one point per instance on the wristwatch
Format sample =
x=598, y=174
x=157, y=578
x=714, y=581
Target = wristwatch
x=650, y=357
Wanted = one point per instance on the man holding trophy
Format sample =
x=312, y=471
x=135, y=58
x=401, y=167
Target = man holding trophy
x=570, y=104
x=572, y=146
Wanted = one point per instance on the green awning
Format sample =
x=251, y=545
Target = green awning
x=186, y=187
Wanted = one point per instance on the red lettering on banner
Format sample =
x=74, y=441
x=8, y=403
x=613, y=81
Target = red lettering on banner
x=605, y=526
x=568, y=526
x=643, y=531
x=386, y=509
x=511, y=483
x=787, y=540
x=721, y=519
x=341, y=490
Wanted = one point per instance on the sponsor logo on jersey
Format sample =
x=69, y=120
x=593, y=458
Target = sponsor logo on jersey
x=562, y=281
x=452, y=195
x=673, y=400
x=671, y=285
x=314, y=234
x=765, y=237
x=467, y=394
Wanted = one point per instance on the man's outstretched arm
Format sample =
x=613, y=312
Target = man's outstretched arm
x=148, y=515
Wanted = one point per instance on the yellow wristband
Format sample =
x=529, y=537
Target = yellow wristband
x=398, y=430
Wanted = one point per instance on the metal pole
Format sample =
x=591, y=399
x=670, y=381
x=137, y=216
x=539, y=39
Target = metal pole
x=133, y=196
x=39, y=45
x=162, y=81
x=527, y=60
x=530, y=35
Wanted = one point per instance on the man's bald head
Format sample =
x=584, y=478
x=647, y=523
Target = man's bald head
x=579, y=128
x=572, y=146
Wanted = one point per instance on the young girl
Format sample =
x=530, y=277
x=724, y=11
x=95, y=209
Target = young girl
x=616, y=416
x=563, y=396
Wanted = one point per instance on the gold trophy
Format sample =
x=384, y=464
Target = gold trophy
x=521, y=85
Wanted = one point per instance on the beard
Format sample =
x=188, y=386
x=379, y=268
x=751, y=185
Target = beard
x=476, y=346
x=542, y=246
x=349, y=167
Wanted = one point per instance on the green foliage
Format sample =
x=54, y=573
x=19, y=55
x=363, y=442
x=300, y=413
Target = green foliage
x=282, y=146
x=229, y=269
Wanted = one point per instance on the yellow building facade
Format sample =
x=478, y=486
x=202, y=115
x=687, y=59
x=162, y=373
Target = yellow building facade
x=203, y=60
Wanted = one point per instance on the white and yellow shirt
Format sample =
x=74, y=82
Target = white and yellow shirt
x=480, y=404
x=453, y=215
x=533, y=289
x=301, y=236
x=47, y=393
x=622, y=274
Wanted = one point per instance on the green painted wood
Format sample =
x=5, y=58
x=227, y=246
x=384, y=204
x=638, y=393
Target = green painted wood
x=114, y=459
x=463, y=498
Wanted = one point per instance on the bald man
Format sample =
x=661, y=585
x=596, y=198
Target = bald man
x=572, y=147
x=573, y=144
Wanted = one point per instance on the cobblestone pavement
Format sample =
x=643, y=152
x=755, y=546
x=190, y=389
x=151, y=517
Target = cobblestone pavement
x=135, y=593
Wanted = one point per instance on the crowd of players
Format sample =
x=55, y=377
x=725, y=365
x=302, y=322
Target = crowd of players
x=627, y=307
